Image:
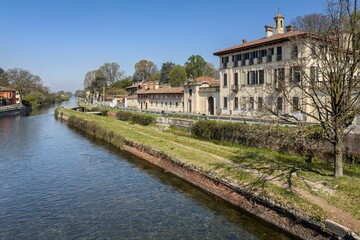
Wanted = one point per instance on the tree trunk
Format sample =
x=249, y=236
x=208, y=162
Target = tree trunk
x=338, y=151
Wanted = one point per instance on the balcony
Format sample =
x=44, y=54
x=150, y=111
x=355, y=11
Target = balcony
x=259, y=60
x=235, y=87
x=251, y=61
x=224, y=65
x=279, y=57
x=236, y=64
x=269, y=58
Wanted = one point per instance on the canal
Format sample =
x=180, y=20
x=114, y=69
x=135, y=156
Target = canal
x=57, y=183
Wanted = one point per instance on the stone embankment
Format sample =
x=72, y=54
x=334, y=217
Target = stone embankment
x=260, y=207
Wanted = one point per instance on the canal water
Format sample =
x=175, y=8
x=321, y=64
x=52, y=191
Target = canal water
x=57, y=183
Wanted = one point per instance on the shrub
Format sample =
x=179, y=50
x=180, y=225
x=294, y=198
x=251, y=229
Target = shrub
x=138, y=118
x=299, y=140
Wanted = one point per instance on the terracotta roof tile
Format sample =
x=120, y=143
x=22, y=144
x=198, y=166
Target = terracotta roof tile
x=161, y=90
x=7, y=89
x=210, y=80
x=263, y=41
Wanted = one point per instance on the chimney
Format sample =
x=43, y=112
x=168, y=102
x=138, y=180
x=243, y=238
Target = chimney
x=244, y=40
x=289, y=28
x=269, y=30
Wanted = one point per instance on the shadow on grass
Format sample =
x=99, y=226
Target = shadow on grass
x=274, y=166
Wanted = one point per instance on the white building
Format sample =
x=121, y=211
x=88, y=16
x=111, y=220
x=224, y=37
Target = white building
x=168, y=99
x=201, y=96
x=252, y=74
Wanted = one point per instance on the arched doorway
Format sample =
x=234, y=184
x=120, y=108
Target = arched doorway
x=211, y=105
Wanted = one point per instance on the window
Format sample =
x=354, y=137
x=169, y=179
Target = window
x=190, y=92
x=166, y=104
x=170, y=104
x=224, y=61
x=156, y=103
x=252, y=78
x=270, y=53
x=243, y=103
x=294, y=52
x=225, y=80
x=295, y=104
x=295, y=74
x=236, y=103
x=176, y=104
x=236, y=79
x=279, y=78
x=314, y=74
x=151, y=103
x=261, y=76
x=255, y=77
x=225, y=102
x=236, y=59
x=279, y=104
x=279, y=53
x=162, y=104
x=260, y=103
x=251, y=103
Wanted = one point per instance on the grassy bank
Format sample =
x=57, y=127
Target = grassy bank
x=285, y=180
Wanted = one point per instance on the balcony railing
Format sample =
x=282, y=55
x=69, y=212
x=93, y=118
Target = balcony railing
x=279, y=57
x=269, y=58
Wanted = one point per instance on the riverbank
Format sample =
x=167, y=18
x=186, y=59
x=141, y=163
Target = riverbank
x=212, y=167
x=15, y=109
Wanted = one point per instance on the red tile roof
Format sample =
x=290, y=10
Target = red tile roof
x=261, y=42
x=7, y=89
x=210, y=80
x=161, y=90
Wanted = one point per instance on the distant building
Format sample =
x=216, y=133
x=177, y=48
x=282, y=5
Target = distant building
x=169, y=99
x=201, y=96
x=8, y=96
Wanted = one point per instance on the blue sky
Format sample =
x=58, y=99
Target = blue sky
x=60, y=40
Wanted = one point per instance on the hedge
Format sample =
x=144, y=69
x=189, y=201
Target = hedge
x=303, y=141
x=138, y=118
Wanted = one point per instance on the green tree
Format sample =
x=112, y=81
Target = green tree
x=144, y=69
x=177, y=76
x=80, y=93
x=196, y=67
x=99, y=82
x=165, y=70
x=123, y=83
x=155, y=77
x=35, y=98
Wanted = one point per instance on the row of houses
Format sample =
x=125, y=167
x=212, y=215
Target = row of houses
x=252, y=77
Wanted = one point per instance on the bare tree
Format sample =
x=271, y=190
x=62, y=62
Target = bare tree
x=144, y=69
x=89, y=78
x=3, y=79
x=324, y=83
x=23, y=81
x=112, y=72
